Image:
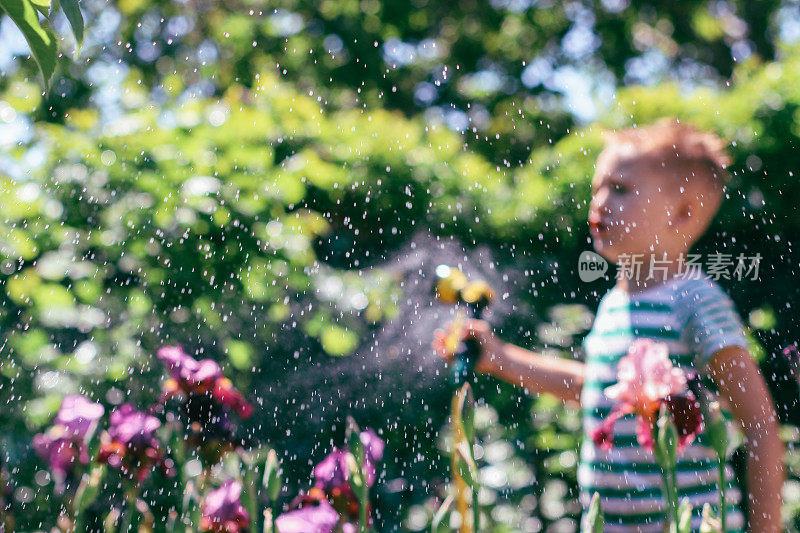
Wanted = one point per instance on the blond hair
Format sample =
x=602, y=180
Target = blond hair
x=670, y=141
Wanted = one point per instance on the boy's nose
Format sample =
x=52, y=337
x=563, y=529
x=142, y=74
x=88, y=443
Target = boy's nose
x=600, y=197
x=598, y=208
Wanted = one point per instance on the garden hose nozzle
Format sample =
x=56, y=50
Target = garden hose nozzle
x=472, y=297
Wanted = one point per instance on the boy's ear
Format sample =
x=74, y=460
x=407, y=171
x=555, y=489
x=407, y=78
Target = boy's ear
x=685, y=210
x=694, y=213
x=687, y=215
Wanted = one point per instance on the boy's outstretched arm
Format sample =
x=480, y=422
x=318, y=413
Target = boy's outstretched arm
x=741, y=385
x=518, y=366
x=539, y=373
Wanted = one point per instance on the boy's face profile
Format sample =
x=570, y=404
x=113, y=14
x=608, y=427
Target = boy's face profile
x=640, y=205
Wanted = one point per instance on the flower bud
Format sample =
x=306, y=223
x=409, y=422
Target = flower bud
x=710, y=522
x=594, y=517
x=354, y=471
x=685, y=517
x=354, y=440
x=272, y=476
x=717, y=430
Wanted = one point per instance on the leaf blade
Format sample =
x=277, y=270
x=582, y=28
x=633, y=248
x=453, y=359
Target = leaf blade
x=73, y=12
x=41, y=40
x=43, y=6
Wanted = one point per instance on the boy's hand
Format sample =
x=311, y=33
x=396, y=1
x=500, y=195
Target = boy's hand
x=491, y=346
x=515, y=365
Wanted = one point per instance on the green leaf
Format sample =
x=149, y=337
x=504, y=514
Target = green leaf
x=468, y=412
x=465, y=465
x=73, y=13
x=86, y=495
x=438, y=524
x=338, y=341
x=240, y=354
x=43, y=6
x=41, y=40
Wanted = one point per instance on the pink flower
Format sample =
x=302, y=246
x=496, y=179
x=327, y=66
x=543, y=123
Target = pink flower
x=646, y=380
x=201, y=378
x=65, y=442
x=79, y=414
x=646, y=375
x=315, y=517
x=332, y=472
x=130, y=443
x=227, y=395
x=223, y=511
x=206, y=400
x=191, y=375
x=373, y=445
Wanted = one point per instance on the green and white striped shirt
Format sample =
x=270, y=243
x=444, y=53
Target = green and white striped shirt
x=695, y=318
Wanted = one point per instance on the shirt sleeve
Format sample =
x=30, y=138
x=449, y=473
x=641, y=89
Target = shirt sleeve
x=712, y=323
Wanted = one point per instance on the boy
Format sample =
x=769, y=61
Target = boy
x=654, y=193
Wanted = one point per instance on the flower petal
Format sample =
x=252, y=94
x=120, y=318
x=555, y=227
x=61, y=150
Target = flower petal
x=603, y=434
x=686, y=413
x=644, y=432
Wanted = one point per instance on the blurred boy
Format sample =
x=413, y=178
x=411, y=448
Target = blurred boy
x=655, y=191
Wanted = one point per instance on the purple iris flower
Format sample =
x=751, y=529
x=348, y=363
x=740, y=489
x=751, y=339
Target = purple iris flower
x=130, y=442
x=201, y=378
x=223, y=511
x=133, y=428
x=319, y=517
x=333, y=472
x=192, y=375
x=373, y=452
x=79, y=414
x=66, y=440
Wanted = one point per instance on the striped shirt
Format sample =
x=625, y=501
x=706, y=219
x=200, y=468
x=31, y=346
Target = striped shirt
x=695, y=318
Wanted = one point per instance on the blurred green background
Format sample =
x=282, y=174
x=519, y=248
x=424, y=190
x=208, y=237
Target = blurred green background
x=269, y=184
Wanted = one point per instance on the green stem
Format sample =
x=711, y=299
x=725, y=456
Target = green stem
x=723, y=504
x=132, y=515
x=191, y=506
x=476, y=511
x=675, y=502
x=251, y=495
x=126, y=521
x=364, y=504
x=670, y=492
x=273, y=516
